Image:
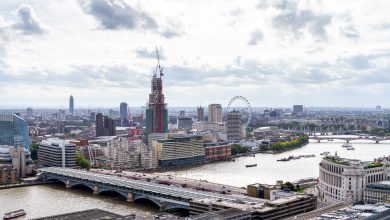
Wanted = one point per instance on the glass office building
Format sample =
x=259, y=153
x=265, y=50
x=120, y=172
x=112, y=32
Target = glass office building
x=13, y=131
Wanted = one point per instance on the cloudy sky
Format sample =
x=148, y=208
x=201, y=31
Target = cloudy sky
x=275, y=53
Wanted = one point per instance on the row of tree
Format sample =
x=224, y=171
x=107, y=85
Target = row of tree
x=288, y=145
x=238, y=149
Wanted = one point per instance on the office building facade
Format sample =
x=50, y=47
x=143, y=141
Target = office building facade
x=215, y=113
x=179, y=151
x=234, y=126
x=56, y=153
x=344, y=180
x=13, y=131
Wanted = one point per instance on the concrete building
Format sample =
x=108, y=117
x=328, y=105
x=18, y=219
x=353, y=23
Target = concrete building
x=184, y=123
x=71, y=105
x=377, y=192
x=13, y=131
x=179, y=151
x=266, y=132
x=217, y=151
x=208, y=126
x=200, y=113
x=56, y=153
x=15, y=163
x=234, y=126
x=344, y=180
x=215, y=113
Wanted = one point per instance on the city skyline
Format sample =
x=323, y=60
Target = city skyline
x=312, y=53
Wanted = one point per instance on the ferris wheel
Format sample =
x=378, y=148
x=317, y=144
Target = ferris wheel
x=246, y=110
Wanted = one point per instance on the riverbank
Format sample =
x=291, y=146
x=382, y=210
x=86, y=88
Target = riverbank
x=10, y=186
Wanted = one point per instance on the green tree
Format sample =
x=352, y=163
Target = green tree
x=82, y=161
x=34, y=151
x=289, y=186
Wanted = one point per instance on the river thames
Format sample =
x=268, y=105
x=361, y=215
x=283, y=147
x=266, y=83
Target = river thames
x=54, y=199
x=269, y=170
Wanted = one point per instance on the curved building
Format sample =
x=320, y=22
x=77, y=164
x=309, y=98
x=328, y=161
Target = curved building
x=13, y=131
x=344, y=180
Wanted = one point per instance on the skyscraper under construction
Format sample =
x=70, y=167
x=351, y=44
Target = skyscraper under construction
x=157, y=113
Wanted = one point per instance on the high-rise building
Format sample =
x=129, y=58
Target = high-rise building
x=157, y=113
x=215, y=113
x=124, y=115
x=14, y=131
x=104, y=125
x=182, y=113
x=99, y=124
x=200, y=113
x=123, y=110
x=235, y=128
x=71, y=105
x=378, y=108
x=57, y=153
x=29, y=113
x=297, y=109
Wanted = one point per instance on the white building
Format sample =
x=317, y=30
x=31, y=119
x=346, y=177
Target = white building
x=342, y=179
x=55, y=152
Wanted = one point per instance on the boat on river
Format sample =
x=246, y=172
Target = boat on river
x=251, y=165
x=14, y=214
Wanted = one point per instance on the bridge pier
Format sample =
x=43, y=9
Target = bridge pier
x=162, y=206
x=68, y=185
x=95, y=190
x=130, y=197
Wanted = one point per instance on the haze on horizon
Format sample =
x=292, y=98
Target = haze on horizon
x=275, y=53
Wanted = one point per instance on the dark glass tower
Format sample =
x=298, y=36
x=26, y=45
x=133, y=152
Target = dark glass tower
x=13, y=131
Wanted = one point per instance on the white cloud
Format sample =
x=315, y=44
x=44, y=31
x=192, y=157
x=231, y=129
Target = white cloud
x=29, y=23
x=207, y=52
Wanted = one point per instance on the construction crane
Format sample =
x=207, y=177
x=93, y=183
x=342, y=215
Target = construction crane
x=159, y=69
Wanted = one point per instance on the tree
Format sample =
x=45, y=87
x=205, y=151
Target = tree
x=289, y=186
x=82, y=161
x=34, y=151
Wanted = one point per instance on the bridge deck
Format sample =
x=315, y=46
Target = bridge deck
x=132, y=184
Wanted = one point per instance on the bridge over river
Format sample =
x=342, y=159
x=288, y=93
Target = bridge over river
x=347, y=138
x=165, y=196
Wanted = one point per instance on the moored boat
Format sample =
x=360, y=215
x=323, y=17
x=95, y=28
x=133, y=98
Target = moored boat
x=14, y=214
x=251, y=165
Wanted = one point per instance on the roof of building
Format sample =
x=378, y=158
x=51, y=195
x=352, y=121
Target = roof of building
x=92, y=214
